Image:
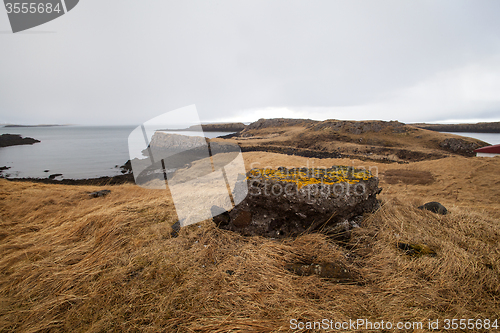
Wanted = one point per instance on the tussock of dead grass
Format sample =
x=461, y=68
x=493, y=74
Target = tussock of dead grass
x=71, y=263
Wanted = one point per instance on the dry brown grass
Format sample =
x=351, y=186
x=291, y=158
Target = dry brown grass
x=409, y=177
x=72, y=263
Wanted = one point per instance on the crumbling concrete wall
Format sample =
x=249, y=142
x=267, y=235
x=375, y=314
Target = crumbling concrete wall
x=287, y=202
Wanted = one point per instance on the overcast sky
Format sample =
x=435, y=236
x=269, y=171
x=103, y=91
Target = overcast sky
x=124, y=62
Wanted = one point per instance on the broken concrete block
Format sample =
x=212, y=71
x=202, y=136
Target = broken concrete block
x=287, y=202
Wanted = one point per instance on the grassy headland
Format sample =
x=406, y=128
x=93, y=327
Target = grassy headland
x=377, y=141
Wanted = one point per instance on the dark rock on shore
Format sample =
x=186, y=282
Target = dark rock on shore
x=288, y=202
x=127, y=177
x=7, y=140
x=434, y=207
x=101, y=181
x=126, y=168
x=4, y=168
x=98, y=194
x=229, y=136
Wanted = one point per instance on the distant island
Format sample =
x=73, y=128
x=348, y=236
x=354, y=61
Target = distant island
x=493, y=127
x=42, y=125
x=7, y=140
x=221, y=127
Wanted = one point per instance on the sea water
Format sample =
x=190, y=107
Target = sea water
x=77, y=152
x=491, y=138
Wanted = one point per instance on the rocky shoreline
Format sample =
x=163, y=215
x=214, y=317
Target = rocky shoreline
x=101, y=181
x=125, y=178
x=7, y=140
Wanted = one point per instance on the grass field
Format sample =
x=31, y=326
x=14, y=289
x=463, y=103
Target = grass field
x=71, y=263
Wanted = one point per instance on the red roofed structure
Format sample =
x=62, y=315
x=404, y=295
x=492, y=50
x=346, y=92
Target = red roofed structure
x=489, y=151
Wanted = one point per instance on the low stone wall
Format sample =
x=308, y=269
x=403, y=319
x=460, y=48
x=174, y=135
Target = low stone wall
x=287, y=202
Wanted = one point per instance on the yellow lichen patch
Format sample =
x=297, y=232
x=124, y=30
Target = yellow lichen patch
x=305, y=176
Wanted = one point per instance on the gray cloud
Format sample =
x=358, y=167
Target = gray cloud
x=115, y=62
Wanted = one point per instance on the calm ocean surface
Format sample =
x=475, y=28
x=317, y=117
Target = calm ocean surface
x=75, y=151
x=491, y=138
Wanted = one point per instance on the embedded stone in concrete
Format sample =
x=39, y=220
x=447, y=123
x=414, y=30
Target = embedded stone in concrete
x=287, y=202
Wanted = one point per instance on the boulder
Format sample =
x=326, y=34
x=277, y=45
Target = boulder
x=176, y=227
x=337, y=272
x=288, y=202
x=417, y=250
x=98, y=194
x=434, y=207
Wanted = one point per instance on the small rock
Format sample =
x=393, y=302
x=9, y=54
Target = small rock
x=342, y=230
x=328, y=270
x=46, y=170
x=221, y=217
x=417, y=250
x=434, y=207
x=54, y=175
x=99, y=193
x=176, y=227
x=126, y=168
